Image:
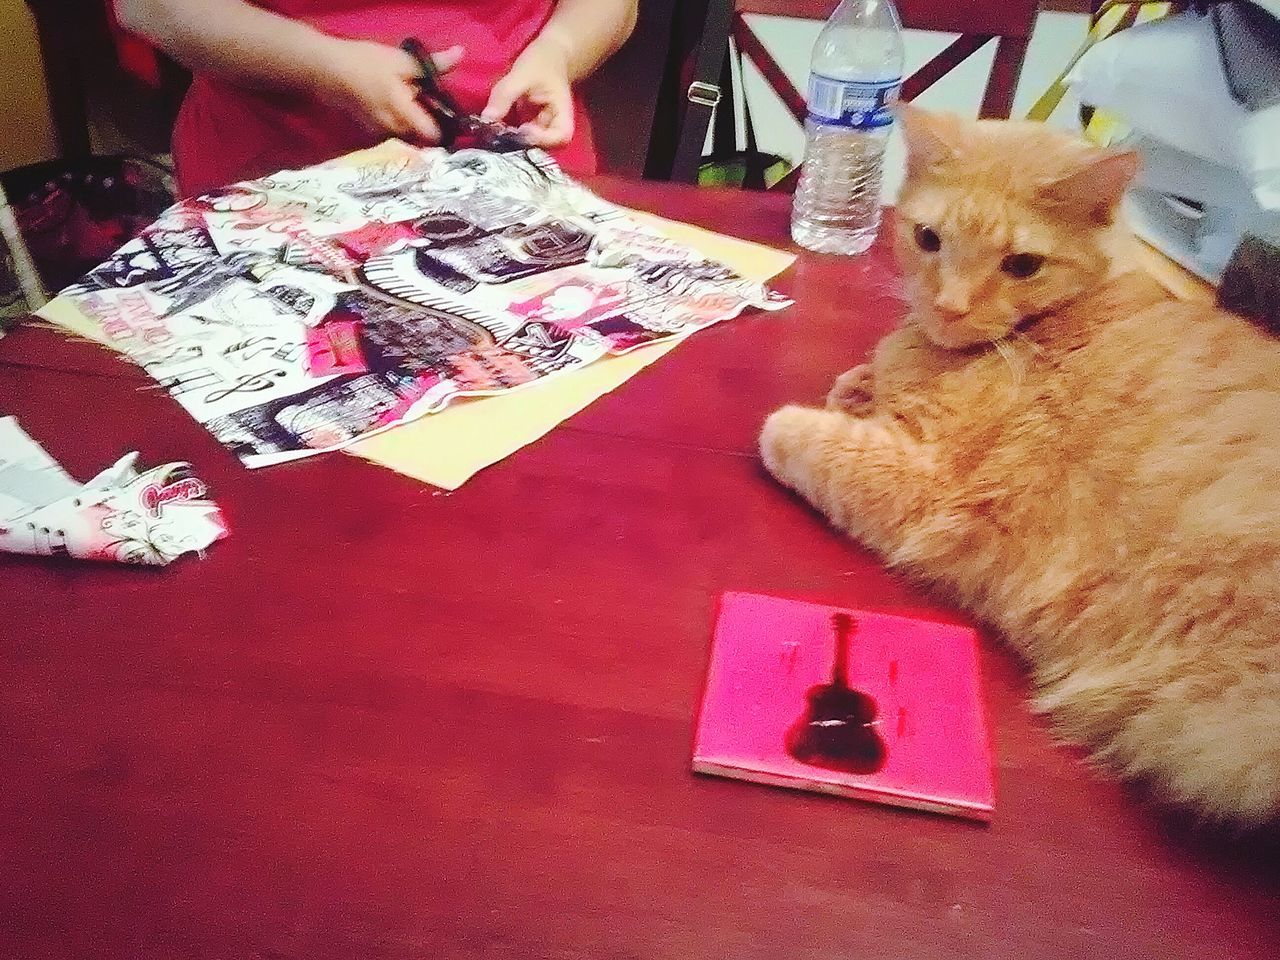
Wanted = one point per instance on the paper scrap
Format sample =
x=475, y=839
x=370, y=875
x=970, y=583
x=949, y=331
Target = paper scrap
x=122, y=515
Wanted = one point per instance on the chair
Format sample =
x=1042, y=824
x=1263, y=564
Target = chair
x=1007, y=22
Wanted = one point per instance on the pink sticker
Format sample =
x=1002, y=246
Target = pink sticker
x=373, y=238
x=154, y=496
x=335, y=348
x=572, y=305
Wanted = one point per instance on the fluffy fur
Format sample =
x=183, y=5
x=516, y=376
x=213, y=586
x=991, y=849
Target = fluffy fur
x=1076, y=457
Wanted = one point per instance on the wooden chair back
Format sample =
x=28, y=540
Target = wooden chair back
x=979, y=22
x=1007, y=23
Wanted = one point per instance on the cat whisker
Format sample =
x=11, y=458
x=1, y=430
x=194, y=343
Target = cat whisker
x=1005, y=349
x=1034, y=347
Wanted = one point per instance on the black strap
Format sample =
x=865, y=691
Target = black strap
x=753, y=178
x=708, y=63
x=724, y=132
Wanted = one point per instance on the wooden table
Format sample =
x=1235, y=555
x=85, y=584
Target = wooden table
x=382, y=722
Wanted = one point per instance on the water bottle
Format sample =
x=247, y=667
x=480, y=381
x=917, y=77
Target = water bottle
x=855, y=75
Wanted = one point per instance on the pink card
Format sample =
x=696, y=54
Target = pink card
x=863, y=705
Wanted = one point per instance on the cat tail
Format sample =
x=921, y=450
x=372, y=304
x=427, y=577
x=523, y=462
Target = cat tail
x=1203, y=731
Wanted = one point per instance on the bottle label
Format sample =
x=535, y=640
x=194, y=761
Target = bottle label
x=857, y=104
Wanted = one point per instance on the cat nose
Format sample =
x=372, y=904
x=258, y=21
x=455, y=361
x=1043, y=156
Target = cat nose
x=953, y=304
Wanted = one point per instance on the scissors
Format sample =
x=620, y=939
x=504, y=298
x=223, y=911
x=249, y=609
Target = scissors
x=453, y=120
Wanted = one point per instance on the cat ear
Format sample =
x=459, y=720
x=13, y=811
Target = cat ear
x=1097, y=184
x=932, y=138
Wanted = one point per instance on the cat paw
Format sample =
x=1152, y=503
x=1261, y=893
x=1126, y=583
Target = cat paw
x=852, y=392
x=784, y=436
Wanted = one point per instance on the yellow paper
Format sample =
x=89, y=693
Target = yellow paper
x=62, y=312
x=447, y=449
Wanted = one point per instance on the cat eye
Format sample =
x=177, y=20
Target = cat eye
x=1022, y=265
x=927, y=239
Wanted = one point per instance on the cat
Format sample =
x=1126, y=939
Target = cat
x=1076, y=457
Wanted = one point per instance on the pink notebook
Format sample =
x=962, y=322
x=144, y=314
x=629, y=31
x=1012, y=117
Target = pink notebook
x=863, y=705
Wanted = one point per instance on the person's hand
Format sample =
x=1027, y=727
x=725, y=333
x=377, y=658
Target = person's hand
x=374, y=84
x=536, y=92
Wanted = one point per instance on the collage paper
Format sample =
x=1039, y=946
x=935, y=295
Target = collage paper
x=303, y=311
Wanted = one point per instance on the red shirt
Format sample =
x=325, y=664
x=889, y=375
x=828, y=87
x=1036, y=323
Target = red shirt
x=226, y=133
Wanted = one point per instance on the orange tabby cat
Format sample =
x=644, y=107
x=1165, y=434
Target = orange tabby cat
x=1076, y=457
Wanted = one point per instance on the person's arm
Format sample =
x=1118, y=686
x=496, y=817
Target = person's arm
x=371, y=82
x=580, y=36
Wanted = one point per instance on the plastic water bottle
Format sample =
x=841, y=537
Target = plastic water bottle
x=855, y=75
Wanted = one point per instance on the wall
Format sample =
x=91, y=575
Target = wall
x=26, y=130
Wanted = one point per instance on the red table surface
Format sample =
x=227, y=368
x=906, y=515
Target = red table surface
x=383, y=722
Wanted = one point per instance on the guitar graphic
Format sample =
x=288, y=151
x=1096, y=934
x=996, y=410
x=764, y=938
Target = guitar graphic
x=838, y=728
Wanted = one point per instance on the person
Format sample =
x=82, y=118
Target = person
x=281, y=84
